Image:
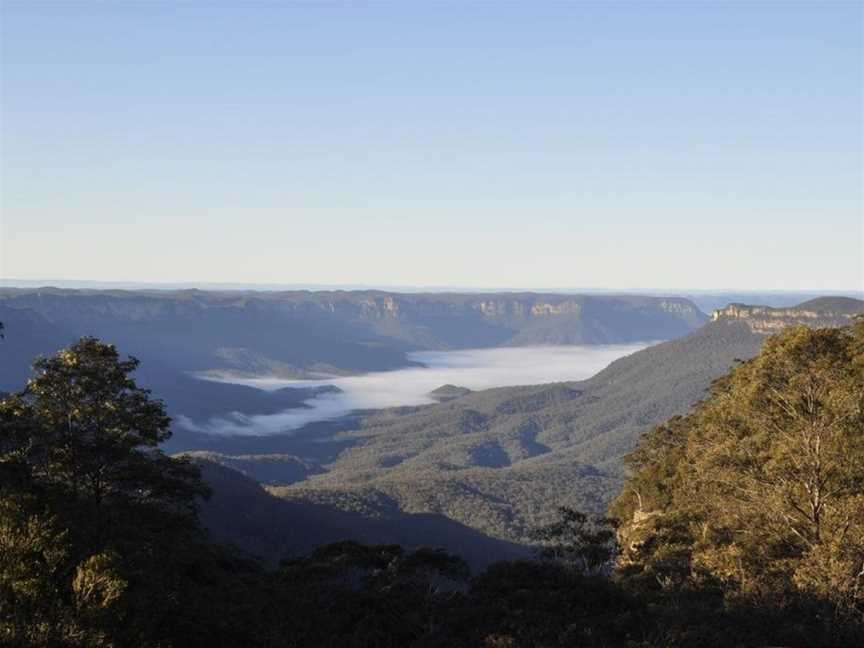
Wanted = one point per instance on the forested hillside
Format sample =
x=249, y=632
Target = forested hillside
x=501, y=461
x=740, y=525
x=758, y=492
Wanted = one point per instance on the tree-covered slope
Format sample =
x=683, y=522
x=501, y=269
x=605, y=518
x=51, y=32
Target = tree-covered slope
x=503, y=460
x=741, y=525
x=241, y=512
x=758, y=492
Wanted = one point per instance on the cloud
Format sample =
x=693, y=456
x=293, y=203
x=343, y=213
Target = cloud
x=472, y=368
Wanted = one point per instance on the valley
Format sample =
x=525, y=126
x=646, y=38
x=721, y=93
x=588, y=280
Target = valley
x=501, y=461
x=431, y=324
x=470, y=369
x=297, y=335
x=419, y=437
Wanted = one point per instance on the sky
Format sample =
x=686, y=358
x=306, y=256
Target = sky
x=632, y=145
x=472, y=368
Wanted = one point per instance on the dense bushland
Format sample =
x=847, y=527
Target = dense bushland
x=742, y=523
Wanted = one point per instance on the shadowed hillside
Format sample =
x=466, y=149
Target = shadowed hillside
x=303, y=334
x=295, y=333
x=723, y=539
x=502, y=460
x=497, y=461
x=240, y=511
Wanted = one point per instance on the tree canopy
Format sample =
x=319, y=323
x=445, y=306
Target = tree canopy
x=92, y=511
x=759, y=491
x=742, y=523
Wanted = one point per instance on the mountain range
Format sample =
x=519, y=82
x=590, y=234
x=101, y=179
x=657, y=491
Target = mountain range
x=475, y=472
x=501, y=461
x=301, y=334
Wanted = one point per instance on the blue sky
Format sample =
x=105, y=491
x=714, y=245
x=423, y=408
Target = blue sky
x=612, y=145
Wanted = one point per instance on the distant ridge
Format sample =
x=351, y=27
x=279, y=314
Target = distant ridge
x=818, y=313
x=296, y=333
x=834, y=305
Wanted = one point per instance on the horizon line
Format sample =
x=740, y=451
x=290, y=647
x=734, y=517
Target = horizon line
x=97, y=284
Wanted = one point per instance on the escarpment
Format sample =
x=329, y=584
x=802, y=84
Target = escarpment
x=298, y=333
x=826, y=312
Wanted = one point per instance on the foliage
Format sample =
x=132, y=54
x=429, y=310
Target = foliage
x=742, y=524
x=93, y=518
x=759, y=492
x=585, y=544
x=503, y=461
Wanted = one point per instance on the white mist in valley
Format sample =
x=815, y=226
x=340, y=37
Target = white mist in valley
x=472, y=368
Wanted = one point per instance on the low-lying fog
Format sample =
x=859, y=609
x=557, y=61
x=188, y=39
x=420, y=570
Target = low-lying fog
x=472, y=368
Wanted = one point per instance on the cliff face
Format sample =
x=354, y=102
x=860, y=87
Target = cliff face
x=518, y=310
x=293, y=333
x=816, y=314
x=423, y=318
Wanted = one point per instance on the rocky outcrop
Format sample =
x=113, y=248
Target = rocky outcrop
x=303, y=334
x=422, y=320
x=820, y=313
x=632, y=535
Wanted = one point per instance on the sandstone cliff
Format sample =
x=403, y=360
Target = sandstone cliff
x=817, y=313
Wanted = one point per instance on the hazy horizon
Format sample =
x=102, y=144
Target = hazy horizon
x=95, y=284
